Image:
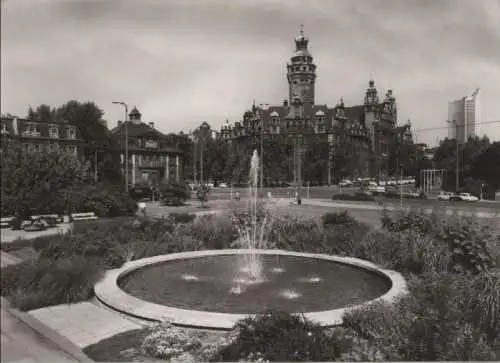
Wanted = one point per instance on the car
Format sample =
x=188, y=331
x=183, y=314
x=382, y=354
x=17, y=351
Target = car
x=376, y=189
x=445, y=196
x=222, y=185
x=345, y=183
x=467, y=197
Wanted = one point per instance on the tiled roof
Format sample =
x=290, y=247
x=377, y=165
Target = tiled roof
x=136, y=130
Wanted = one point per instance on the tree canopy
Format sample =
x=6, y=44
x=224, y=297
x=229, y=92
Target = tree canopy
x=37, y=179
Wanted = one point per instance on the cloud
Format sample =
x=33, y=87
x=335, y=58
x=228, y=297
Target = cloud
x=183, y=62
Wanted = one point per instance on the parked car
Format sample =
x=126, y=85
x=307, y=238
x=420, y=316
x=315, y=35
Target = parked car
x=345, y=183
x=222, y=185
x=376, y=189
x=467, y=197
x=445, y=196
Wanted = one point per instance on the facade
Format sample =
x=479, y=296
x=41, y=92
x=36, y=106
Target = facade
x=363, y=130
x=36, y=135
x=464, y=117
x=153, y=156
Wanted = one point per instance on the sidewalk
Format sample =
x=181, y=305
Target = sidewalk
x=21, y=343
x=9, y=235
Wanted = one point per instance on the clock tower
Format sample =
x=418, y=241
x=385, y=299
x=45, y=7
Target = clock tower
x=301, y=73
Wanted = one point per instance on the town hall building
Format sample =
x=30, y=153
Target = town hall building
x=365, y=130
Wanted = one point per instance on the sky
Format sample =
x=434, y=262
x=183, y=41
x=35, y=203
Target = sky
x=182, y=62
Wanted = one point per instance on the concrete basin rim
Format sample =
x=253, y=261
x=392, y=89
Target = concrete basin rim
x=108, y=291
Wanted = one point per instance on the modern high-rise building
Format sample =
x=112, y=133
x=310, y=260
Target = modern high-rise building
x=464, y=117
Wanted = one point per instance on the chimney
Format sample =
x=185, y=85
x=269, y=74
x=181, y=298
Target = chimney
x=152, y=125
x=119, y=123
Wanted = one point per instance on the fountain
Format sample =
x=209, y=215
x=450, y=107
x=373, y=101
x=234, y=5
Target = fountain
x=216, y=288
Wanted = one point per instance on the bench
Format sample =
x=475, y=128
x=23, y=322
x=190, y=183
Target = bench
x=51, y=219
x=89, y=216
x=5, y=222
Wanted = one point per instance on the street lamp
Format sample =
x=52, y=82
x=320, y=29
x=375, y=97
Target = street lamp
x=263, y=106
x=126, y=140
x=457, y=172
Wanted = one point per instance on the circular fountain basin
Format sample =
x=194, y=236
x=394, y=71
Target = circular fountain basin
x=210, y=289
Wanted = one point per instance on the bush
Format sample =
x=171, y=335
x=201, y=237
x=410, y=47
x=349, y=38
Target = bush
x=280, y=336
x=174, y=195
x=338, y=218
x=361, y=197
x=104, y=200
x=473, y=248
x=167, y=341
x=213, y=231
x=296, y=234
x=45, y=282
x=101, y=250
x=182, y=217
x=433, y=323
x=407, y=252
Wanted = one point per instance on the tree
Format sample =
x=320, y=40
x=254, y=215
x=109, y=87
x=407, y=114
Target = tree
x=88, y=118
x=38, y=181
x=445, y=157
x=487, y=165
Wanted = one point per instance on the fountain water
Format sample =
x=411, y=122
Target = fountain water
x=253, y=235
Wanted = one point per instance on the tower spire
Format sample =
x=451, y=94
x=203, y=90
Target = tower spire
x=301, y=29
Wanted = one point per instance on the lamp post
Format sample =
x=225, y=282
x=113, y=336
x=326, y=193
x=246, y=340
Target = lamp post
x=126, y=140
x=263, y=106
x=457, y=184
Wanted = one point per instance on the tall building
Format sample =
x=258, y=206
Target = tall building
x=363, y=130
x=464, y=117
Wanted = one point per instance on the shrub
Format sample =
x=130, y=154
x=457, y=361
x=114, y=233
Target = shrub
x=344, y=240
x=215, y=232
x=434, y=322
x=407, y=251
x=104, y=200
x=177, y=191
x=469, y=246
x=167, y=341
x=44, y=282
x=182, y=217
x=202, y=194
x=354, y=197
x=280, y=336
x=296, y=234
x=102, y=250
x=336, y=218
x=11, y=275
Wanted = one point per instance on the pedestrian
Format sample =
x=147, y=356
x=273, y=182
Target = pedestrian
x=142, y=208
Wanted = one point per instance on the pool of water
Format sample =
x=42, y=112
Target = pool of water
x=218, y=284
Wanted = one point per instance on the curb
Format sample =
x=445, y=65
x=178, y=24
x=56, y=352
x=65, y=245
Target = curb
x=54, y=337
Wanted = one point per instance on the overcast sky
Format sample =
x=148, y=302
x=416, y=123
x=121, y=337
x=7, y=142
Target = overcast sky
x=182, y=62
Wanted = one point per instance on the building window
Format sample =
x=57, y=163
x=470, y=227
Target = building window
x=4, y=128
x=53, y=132
x=26, y=147
x=31, y=130
x=151, y=144
x=71, y=132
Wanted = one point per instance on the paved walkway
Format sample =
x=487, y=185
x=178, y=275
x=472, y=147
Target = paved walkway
x=84, y=323
x=9, y=235
x=21, y=344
